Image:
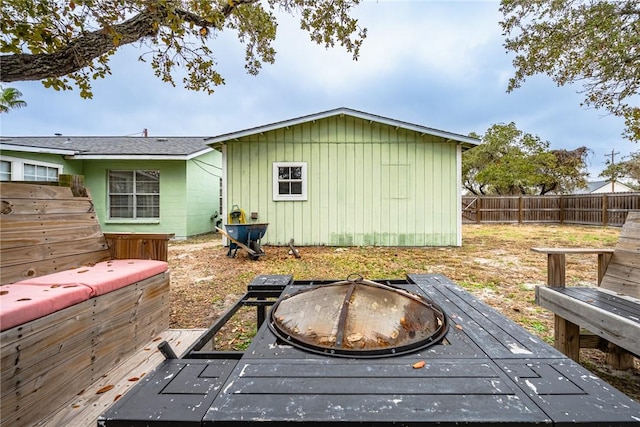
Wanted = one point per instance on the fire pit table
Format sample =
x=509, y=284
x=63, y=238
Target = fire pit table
x=481, y=370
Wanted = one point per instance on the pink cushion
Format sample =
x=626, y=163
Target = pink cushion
x=104, y=277
x=21, y=303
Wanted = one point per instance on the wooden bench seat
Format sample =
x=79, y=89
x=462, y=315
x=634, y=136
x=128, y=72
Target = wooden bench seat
x=610, y=310
x=50, y=241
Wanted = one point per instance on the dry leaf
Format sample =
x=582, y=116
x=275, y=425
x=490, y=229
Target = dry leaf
x=105, y=389
x=118, y=396
x=459, y=327
x=419, y=364
x=4, y=292
x=133, y=379
x=76, y=406
x=83, y=271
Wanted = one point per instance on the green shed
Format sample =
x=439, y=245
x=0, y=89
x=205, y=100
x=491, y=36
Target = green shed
x=346, y=178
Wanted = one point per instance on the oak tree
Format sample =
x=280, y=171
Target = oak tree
x=69, y=42
x=510, y=162
x=595, y=43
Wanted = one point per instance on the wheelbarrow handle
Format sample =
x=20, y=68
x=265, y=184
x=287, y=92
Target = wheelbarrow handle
x=242, y=245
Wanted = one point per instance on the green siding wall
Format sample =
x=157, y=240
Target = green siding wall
x=172, y=196
x=368, y=184
x=188, y=197
x=203, y=192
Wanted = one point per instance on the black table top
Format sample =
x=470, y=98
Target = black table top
x=487, y=371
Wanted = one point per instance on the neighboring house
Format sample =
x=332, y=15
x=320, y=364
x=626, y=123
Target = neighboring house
x=599, y=187
x=346, y=178
x=138, y=184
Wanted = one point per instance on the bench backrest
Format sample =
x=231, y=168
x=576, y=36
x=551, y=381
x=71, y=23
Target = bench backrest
x=623, y=271
x=45, y=229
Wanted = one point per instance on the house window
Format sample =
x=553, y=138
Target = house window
x=5, y=170
x=40, y=173
x=17, y=169
x=290, y=181
x=134, y=194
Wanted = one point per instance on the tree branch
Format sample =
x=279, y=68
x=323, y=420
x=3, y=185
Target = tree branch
x=82, y=51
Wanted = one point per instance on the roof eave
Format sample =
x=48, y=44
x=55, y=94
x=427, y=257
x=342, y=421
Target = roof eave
x=216, y=140
x=28, y=149
x=96, y=156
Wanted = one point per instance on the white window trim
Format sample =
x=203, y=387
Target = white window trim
x=284, y=197
x=17, y=166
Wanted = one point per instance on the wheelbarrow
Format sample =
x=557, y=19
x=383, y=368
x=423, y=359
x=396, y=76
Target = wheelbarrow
x=245, y=236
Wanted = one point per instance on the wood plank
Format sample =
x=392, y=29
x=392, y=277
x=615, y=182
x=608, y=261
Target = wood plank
x=36, y=253
x=569, y=251
x=84, y=409
x=620, y=331
x=20, y=190
x=77, y=205
x=45, y=222
x=28, y=237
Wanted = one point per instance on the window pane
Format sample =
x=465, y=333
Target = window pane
x=148, y=206
x=121, y=206
x=283, y=172
x=296, y=172
x=52, y=174
x=121, y=182
x=29, y=172
x=296, y=188
x=283, y=188
x=147, y=182
x=5, y=171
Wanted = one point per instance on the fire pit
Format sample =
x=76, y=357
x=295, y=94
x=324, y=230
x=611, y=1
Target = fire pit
x=399, y=364
x=358, y=318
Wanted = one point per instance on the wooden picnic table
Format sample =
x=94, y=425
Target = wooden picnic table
x=487, y=371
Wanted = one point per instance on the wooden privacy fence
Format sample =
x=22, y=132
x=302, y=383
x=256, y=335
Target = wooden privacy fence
x=586, y=209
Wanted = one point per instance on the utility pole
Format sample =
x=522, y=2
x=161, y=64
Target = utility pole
x=613, y=162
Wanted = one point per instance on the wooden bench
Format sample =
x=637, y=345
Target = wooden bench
x=51, y=240
x=610, y=311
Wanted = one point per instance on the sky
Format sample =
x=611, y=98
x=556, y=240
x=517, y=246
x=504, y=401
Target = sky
x=439, y=64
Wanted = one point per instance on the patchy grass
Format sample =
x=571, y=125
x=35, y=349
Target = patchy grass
x=495, y=263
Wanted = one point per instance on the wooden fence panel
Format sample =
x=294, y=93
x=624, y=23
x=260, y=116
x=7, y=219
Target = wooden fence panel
x=585, y=209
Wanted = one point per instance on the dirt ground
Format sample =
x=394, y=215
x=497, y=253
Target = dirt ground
x=495, y=263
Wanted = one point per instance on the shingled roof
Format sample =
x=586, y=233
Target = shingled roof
x=82, y=147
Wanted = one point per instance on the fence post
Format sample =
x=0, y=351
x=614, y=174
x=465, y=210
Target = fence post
x=76, y=182
x=561, y=213
x=605, y=210
x=478, y=210
x=520, y=210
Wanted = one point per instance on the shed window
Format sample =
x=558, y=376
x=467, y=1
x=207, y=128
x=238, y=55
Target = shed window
x=290, y=181
x=134, y=194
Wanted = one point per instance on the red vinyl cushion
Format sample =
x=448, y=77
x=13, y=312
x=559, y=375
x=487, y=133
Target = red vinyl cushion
x=21, y=303
x=34, y=298
x=106, y=276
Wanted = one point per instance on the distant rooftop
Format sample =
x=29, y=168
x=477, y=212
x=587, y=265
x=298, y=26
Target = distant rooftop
x=107, y=145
